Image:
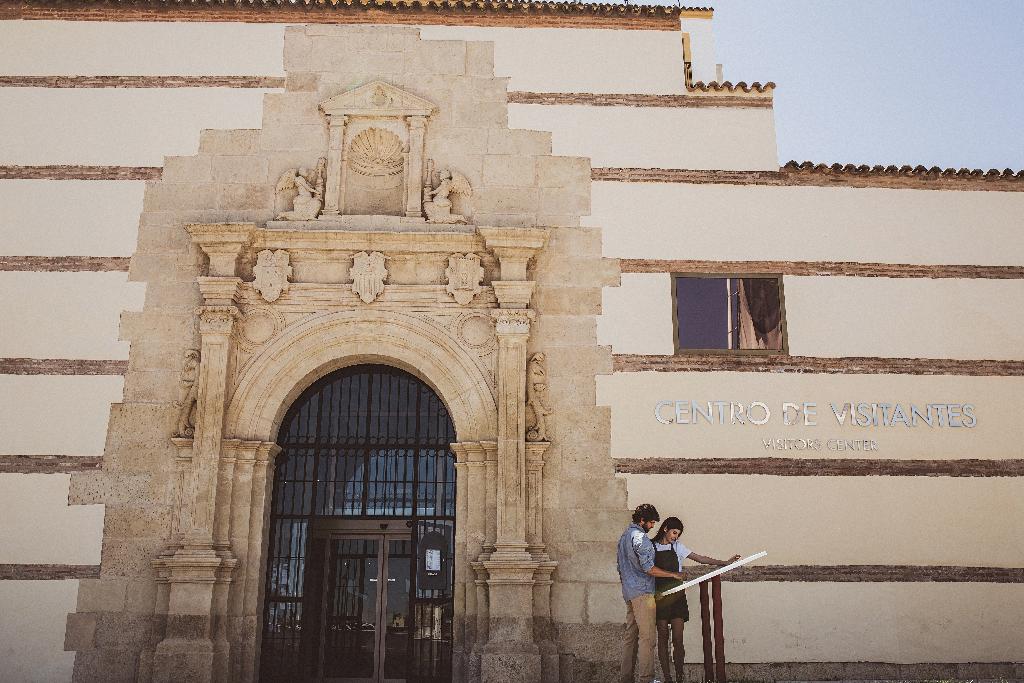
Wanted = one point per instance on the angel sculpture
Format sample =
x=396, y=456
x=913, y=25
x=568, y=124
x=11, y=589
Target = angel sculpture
x=438, y=205
x=309, y=188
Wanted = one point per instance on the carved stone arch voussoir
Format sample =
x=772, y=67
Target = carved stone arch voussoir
x=317, y=346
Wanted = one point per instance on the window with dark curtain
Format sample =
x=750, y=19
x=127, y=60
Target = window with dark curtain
x=728, y=313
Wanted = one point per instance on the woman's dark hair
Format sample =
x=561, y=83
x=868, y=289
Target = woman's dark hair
x=645, y=512
x=669, y=524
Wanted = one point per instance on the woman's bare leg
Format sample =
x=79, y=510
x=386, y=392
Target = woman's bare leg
x=678, y=649
x=663, y=649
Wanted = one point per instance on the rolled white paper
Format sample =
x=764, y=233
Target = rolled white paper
x=720, y=570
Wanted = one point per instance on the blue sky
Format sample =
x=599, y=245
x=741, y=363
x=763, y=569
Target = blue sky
x=897, y=82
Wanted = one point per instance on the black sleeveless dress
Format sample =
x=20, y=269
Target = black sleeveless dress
x=672, y=606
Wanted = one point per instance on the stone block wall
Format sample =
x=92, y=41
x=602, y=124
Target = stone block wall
x=516, y=183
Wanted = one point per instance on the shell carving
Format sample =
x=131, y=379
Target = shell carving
x=376, y=152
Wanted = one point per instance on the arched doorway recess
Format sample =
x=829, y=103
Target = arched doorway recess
x=359, y=575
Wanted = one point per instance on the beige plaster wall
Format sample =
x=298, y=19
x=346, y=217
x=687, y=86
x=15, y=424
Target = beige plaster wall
x=636, y=316
x=843, y=316
x=540, y=59
x=138, y=127
x=680, y=221
x=65, y=315
x=637, y=434
x=64, y=415
x=846, y=316
x=131, y=127
x=38, y=526
x=842, y=520
x=82, y=217
x=579, y=60
x=658, y=137
x=143, y=48
x=873, y=622
x=32, y=631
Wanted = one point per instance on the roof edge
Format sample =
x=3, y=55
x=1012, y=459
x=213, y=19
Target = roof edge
x=525, y=13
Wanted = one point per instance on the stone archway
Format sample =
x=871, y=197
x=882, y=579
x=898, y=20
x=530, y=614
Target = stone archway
x=255, y=359
x=274, y=378
x=319, y=345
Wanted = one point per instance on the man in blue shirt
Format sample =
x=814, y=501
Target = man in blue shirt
x=637, y=572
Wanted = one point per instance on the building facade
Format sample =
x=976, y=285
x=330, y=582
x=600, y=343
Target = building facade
x=339, y=341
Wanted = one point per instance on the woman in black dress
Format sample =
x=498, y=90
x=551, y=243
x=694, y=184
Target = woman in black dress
x=672, y=609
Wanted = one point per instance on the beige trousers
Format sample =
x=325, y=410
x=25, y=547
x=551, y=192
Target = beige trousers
x=641, y=640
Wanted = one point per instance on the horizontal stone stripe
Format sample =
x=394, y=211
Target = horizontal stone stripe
x=447, y=13
x=72, y=172
x=638, y=100
x=141, y=81
x=65, y=264
x=724, y=362
x=48, y=572
x=866, y=573
x=823, y=467
x=61, y=366
x=862, y=671
x=48, y=464
x=823, y=268
x=813, y=178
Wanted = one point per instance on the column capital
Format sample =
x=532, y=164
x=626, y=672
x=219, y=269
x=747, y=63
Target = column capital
x=417, y=121
x=535, y=454
x=337, y=120
x=217, y=320
x=512, y=321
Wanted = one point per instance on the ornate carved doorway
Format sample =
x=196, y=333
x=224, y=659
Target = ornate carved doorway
x=359, y=580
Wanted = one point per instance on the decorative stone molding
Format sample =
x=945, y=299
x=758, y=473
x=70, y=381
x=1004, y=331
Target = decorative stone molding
x=222, y=243
x=219, y=291
x=536, y=399
x=271, y=274
x=368, y=275
x=464, y=275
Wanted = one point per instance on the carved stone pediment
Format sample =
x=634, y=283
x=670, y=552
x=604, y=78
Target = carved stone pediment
x=375, y=156
x=377, y=98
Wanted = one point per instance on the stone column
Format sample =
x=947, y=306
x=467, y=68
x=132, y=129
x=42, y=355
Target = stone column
x=197, y=566
x=535, y=499
x=513, y=330
x=543, y=628
x=414, y=174
x=194, y=647
x=247, y=489
x=252, y=573
x=511, y=653
x=333, y=200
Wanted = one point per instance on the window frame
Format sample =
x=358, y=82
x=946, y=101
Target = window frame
x=678, y=351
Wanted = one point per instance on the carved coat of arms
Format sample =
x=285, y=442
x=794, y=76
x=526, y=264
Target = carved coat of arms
x=368, y=275
x=272, y=271
x=464, y=274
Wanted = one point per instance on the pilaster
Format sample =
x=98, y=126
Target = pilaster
x=414, y=176
x=333, y=185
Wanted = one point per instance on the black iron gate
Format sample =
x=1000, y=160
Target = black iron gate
x=363, y=511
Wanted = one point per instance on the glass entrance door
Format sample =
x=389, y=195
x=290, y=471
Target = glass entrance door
x=360, y=561
x=366, y=624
